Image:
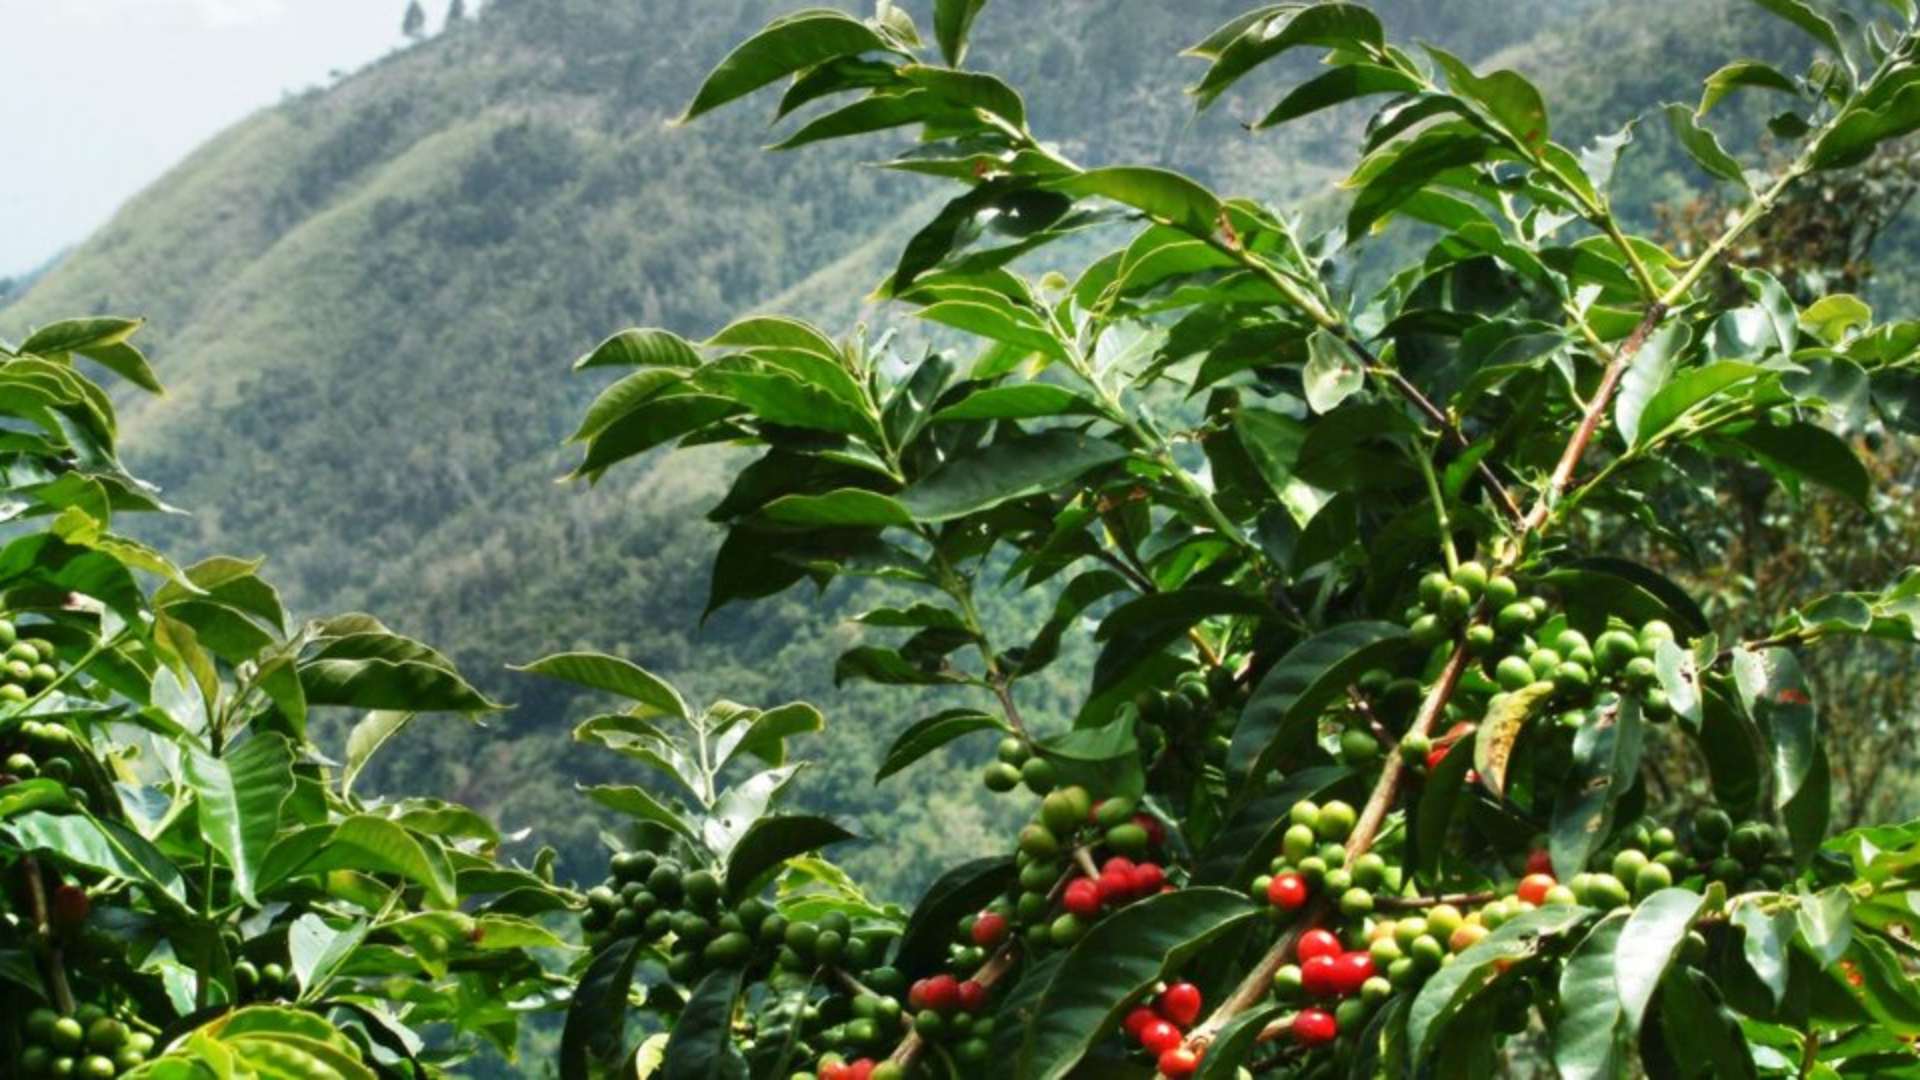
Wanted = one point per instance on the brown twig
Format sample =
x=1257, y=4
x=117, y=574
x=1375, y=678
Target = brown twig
x=56, y=968
x=997, y=965
x=1258, y=981
x=1447, y=428
x=1464, y=899
x=1596, y=413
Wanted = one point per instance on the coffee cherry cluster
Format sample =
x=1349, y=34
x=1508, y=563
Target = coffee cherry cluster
x=1069, y=819
x=26, y=666
x=947, y=1011
x=1521, y=642
x=833, y=1067
x=1313, y=861
x=1017, y=764
x=264, y=982
x=1196, y=702
x=41, y=750
x=90, y=1044
x=657, y=899
x=1160, y=1028
x=1337, y=986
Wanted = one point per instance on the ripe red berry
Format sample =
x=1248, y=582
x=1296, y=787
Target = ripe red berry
x=1148, y=878
x=1159, y=1037
x=1351, y=970
x=1179, y=1062
x=1540, y=861
x=1138, y=1019
x=1082, y=897
x=973, y=996
x=1116, y=886
x=1534, y=887
x=916, y=995
x=941, y=993
x=1320, y=977
x=1287, y=892
x=1179, y=1003
x=835, y=1070
x=70, y=906
x=1317, y=943
x=1156, y=832
x=1312, y=1027
x=1118, y=864
x=989, y=929
x=861, y=1070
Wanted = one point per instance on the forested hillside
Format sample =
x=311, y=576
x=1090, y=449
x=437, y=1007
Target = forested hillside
x=363, y=300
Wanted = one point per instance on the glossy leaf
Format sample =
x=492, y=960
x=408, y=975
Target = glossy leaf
x=928, y=735
x=1259, y=36
x=239, y=798
x=599, y=671
x=1123, y=954
x=1455, y=987
x=785, y=46
x=1345, y=83
x=959, y=892
x=1591, y=1041
x=596, y=1024
x=1703, y=145
x=1648, y=944
x=701, y=1045
x=1648, y=374
x=770, y=841
x=1029, y=465
x=1606, y=758
x=952, y=19
x=1278, y=717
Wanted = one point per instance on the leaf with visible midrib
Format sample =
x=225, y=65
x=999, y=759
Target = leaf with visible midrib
x=1458, y=984
x=1120, y=956
x=959, y=892
x=1589, y=1043
x=239, y=798
x=701, y=1045
x=1648, y=942
x=772, y=840
x=597, y=1015
x=785, y=46
x=1274, y=720
x=991, y=475
x=599, y=671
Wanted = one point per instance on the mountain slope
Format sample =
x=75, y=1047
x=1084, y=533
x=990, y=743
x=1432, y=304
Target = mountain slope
x=363, y=301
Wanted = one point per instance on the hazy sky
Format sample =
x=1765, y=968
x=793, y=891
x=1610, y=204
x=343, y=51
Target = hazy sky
x=99, y=97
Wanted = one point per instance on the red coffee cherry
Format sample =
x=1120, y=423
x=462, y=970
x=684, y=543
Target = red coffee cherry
x=1179, y=1003
x=1288, y=892
x=1314, y=1027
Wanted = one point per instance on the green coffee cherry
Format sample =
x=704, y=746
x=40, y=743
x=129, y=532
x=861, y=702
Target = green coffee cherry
x=1513, y=673
x=1627, y=864
x=1039, y=775
x=1472, y=577
x=1359, y=748
x=1651, y=879
x=1336, y=820
x=1513, y=620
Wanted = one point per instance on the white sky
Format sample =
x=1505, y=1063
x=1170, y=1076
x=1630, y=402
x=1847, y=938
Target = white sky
x=99, y=97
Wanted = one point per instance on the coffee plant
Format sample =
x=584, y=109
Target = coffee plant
x=192, y=886
x=1362, y=780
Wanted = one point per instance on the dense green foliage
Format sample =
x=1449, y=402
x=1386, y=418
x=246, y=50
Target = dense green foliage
x=192, y=889
x=357, y=297
x=1336, y=533
x=1438, y=626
